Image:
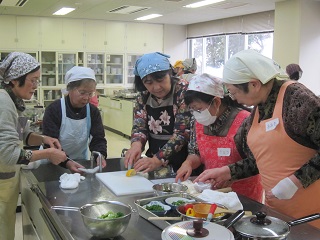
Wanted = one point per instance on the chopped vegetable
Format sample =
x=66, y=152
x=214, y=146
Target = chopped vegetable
x=155, y=208
x=178, y=203
x=190, y=212
x=187, y=206
x=111, y=215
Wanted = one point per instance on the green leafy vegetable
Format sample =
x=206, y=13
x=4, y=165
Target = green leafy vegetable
x=178, y=203
x=155, y=208
x=111, y=215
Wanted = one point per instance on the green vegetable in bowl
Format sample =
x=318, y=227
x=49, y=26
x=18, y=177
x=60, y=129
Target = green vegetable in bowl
x=178, y=203
x=111, y=215
x=155, y=208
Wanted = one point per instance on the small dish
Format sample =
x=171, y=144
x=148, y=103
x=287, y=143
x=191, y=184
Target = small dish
x=177, y=201
x=166, y=208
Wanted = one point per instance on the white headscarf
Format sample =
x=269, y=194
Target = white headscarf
x=78, y=73
x=207, y=84
x=249, y=64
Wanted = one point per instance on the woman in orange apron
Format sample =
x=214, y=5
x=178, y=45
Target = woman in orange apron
x=282, y=134
x=217, y=120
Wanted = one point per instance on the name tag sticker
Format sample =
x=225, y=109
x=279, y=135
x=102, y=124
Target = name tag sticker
x=224, y=152
x=272, y=124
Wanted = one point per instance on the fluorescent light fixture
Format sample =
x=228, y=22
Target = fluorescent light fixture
x=63, y=11
x=148, y=17
x=202, y=3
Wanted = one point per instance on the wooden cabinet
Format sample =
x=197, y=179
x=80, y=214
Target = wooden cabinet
x=28, y=38
x=114, y=69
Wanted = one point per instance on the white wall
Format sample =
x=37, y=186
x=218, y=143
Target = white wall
x=175, y=43
x=297, y=38
x=310, y=46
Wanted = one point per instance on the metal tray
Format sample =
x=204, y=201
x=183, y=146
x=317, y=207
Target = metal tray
x=162, y=224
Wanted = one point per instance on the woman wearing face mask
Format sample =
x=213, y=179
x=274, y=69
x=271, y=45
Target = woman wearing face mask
x=217, y=121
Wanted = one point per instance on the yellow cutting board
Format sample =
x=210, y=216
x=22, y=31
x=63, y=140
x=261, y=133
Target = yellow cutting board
x=120, y=185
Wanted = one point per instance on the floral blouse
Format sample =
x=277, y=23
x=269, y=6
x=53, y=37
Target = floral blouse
x=180, y=137
x=301, y=117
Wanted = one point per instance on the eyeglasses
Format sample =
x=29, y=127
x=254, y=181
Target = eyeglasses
x=35, y=82
x=84, y=93
x=198, y=110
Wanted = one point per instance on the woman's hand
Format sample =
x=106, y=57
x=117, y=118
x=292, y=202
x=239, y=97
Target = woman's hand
x=216, y=176
x=147, y=164
x=184, y=171
x=52, y=142
x=56, y=156
x=133, y=154
x=73, y=167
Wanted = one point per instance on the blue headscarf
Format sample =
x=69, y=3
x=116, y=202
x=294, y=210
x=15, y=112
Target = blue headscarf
x=150, y=63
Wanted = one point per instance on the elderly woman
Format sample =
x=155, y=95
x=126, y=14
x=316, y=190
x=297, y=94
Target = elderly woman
x=213, y=133
x=160, y=116
x=282, y=135
x=20, y=74
x=76, y=122
x=189, y=68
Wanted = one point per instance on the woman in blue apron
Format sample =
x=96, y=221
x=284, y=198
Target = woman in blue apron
x=160, y=116
x=19, y=78
x=74, y=121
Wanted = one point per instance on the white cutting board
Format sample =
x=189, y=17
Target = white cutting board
x=120, y=185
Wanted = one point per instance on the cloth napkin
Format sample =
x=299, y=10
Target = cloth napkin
x=230, y=200
x=70, y=181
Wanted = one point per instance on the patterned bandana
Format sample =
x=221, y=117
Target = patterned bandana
x=15, y=65
x=150, y=63
x=207, y=84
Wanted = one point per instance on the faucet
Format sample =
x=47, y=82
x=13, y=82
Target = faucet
x=99, y=160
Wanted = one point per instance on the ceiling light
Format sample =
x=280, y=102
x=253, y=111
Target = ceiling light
x=202, y=3
x=63, y=11
x=148, y=17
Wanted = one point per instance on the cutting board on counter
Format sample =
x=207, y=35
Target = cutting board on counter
x=120, y=185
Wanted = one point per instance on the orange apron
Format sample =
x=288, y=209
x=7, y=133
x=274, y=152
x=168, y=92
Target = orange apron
x=277, y=157
x=212, y=155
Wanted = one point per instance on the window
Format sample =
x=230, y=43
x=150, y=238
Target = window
x=212, y=52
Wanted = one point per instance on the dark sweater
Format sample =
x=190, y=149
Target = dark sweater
x=52, y=123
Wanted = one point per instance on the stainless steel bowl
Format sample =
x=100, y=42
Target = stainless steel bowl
x=169, y=188
x=105, y=228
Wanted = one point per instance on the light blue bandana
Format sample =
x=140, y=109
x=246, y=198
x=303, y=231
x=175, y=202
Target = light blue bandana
x=150, y=63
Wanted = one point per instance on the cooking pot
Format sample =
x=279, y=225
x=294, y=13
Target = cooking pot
x=102, y=228
x=264, y=227
x=200, y=229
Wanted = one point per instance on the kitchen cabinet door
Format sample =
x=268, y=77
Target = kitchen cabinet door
x=144, y=37
x=114, y=69
x=131, y=61
x=72, y=35
x=115, y=37
x=65, y=62
x=127, y=116
x=51, y=33
x=95, y=36
x=28, y=37
x=8, y=26
x=96, y=61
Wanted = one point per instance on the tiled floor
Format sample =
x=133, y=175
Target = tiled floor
x=115, y=145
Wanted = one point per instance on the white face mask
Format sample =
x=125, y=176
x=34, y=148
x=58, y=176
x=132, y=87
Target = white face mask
x=204, y=117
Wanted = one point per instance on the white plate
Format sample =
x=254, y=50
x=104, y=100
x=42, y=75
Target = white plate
x=170, y=200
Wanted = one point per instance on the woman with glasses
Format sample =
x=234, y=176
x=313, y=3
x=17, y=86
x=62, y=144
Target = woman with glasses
x=74, y=121
x=160, y=116
x=19, y=77
x=282, y=135
x=214, y=128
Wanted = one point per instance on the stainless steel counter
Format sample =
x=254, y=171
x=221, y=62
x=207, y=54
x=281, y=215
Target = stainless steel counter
x=69, y=225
